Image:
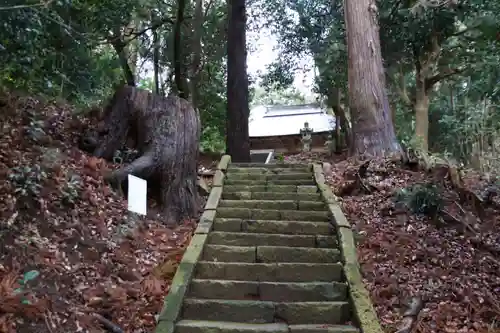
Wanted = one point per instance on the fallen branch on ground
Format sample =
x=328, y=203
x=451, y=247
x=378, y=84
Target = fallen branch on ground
x=107, y=324
x=410, y=316
x=358, y=183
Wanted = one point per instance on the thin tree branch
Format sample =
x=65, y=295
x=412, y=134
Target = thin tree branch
x=40, y=4
x=401, y=88
x=431, y=81
x=137, y=34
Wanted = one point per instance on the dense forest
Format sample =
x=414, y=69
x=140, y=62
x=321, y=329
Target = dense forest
x=419, y=76
x=439, y=60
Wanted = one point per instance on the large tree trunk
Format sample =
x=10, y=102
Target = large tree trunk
x=119, y=46
x=196, y=50
x=422, y=114
x=179, y=67
x=156, y=55
x=166, y=132
x=237, y=140
x=372, y=127
x=341, y=123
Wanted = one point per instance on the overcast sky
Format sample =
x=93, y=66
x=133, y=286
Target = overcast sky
x=263, y=44
x=264, y=54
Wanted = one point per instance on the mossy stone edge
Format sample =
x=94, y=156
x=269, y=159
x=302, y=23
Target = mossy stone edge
x=224, y=163
x=172, y=305
x=358, y=294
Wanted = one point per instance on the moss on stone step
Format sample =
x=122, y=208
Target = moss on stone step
x=260, y=204
x=307, y=189
x=198, y=326
x=266, y=312
x=276, y=272
x=304, y=166
x=294, y=182
x=269, y=291
x=273, y=226
x=270, y=177
x=269, y=254
x=271, y=196
x=256, y=239
x=322, y=329
x=274, y=204
x=227, y=253
x=267, y=214
x=296, y=254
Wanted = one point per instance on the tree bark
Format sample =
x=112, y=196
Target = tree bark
x=166, y=132
x=156, y=55
x=421, y=113
x=132, y=48
x=179, y=68
x=341, y=122
x=119, y=46
x=372, y=127
x=196, y=47
x=237, y=138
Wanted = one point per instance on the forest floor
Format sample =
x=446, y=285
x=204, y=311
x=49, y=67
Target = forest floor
x=453, y=266
x=72, y=256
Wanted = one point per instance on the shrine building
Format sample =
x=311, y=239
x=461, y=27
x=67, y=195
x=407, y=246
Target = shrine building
x=280, y=128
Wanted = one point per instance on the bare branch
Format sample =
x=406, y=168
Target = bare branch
x=40, y=4
x=401, y=88
x=136, y=34
x=431, y=81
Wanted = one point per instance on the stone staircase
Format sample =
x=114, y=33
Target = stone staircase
x=265, y=258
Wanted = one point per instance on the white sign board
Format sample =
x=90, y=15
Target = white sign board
x=137, y=194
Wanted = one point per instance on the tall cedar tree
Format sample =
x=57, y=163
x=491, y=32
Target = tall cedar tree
x=237, y=140
x=372, y=127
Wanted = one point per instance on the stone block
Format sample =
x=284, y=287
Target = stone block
x=173, y=301
x=213, y=198
x=297, y=254
x=206, y=222
x=226, y=253
x=224, y=163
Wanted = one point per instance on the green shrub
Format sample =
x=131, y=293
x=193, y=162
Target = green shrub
x=27, y=180
x=423, y=199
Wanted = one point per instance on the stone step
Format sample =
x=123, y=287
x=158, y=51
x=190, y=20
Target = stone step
x=268, y=291
x=261, y=312
x=270, y=182
x=273, y=226
x=258, y=239
x=268, y=214
x=270, y=166
x=200, y=326
x=274, y=204
x=301, y=189
x=269, y=254
x=322, y=328
x=275, y=272
x=271, y=196
x=269, y=177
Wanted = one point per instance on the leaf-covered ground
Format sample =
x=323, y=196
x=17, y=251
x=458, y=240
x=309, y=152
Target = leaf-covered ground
x=71, y=254
x=403, y=255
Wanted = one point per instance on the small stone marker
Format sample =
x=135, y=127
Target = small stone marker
x=137, y=195
x=306, y=137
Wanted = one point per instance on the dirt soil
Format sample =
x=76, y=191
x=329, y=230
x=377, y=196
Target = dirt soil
x=454, y=269
x=73, y=260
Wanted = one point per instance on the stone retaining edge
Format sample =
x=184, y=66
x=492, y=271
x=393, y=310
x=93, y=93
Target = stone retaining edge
x=172, y=305
x=358, y=294
x=208, y=216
